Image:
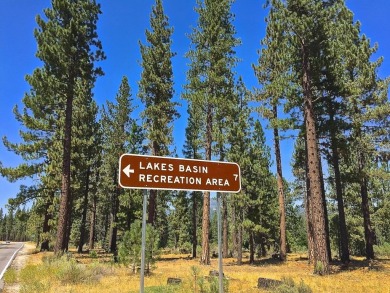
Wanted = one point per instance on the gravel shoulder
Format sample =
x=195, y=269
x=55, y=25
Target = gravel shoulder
x=18, y=263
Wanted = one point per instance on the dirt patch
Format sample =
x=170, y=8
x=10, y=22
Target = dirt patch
x=18, y=263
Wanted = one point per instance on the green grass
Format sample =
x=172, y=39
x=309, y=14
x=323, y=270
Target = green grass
x=84, y=273
x=10, y=276
x=65, y=271
x=161, y=289
x=382, y=250
x=32, y=279
x=289, y=286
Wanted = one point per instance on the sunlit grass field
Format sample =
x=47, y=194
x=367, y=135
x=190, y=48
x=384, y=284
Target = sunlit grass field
x=97, y=273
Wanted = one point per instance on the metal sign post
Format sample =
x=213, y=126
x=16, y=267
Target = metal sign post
x=220, y=267
x=143, y=245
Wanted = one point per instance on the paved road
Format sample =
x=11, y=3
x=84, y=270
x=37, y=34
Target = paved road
x=7, y=253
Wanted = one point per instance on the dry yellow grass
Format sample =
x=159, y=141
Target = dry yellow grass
x=356, y=278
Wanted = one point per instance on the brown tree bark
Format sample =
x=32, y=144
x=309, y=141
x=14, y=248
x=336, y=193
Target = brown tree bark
x=92, y=224
x=239, y=245
x=325, y=210
x=205, y=257
x=194, y=225
x=309, y=225
x=343, y=236
x=368, y=231
x=84, y=214
x=114, y=223
x=225, y=227
x=46, y=227
x=251, y=248
x=282, y=208
x=152, y=207
x=65, y=200
x=321, y=257
x=343, y=233
x=234, y=230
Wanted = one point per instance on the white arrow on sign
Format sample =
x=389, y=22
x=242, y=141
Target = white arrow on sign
x=128, y=170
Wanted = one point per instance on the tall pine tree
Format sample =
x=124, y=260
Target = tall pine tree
x=116, y=134
x=156, y=90
x=68, y=46
x=210, y=81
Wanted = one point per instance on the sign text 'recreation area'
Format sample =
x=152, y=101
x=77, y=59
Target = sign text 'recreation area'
x=152, y=172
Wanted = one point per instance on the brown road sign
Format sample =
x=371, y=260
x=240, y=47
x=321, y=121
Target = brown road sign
x=151, y=172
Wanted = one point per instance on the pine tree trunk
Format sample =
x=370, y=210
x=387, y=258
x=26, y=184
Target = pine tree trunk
x=225, y=227
x=325, y=210
x=309, y=228
x=114, y=223
x=194, y=226
x=84, y=214
x=263, y=247
x=321, y=257
x=152, y=207
x=45, y=229
x=282, y=209
x=309, y=224
x=344, y=247
x=68, y=229
x=239, y=245
x=46, y=226
x=106, y=231
x=205, y=257
x=113, y=234
x=91, y=244
x=368, y=231
x=251, y=249
x=343, y=237
x=65, y=200
x=234, y=232
x=128, y=214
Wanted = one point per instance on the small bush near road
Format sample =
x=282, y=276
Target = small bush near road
x=55, y=272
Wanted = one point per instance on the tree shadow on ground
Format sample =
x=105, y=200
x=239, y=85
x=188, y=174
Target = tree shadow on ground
x=380, y=265
x=92, y=255
x=258, y=262
x=175, y=258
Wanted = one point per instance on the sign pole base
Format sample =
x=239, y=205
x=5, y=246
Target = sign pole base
x=145, y=202
x=220, y=267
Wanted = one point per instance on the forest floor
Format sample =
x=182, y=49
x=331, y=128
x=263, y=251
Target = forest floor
x=95, y=272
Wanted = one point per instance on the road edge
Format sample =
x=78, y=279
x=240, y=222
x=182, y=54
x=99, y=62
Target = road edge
x=7, y=266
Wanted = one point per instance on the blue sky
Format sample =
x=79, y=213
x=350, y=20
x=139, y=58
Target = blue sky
x=121, y=27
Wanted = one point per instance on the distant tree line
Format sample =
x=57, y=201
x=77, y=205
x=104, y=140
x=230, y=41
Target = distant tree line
x=318, y=82
x=14, y=225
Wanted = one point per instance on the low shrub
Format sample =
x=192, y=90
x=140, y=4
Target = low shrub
x=289, y=286
x=32, y=279
x=93, y=254
x=64, y=270
x=69, y=272
x=382, y=250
